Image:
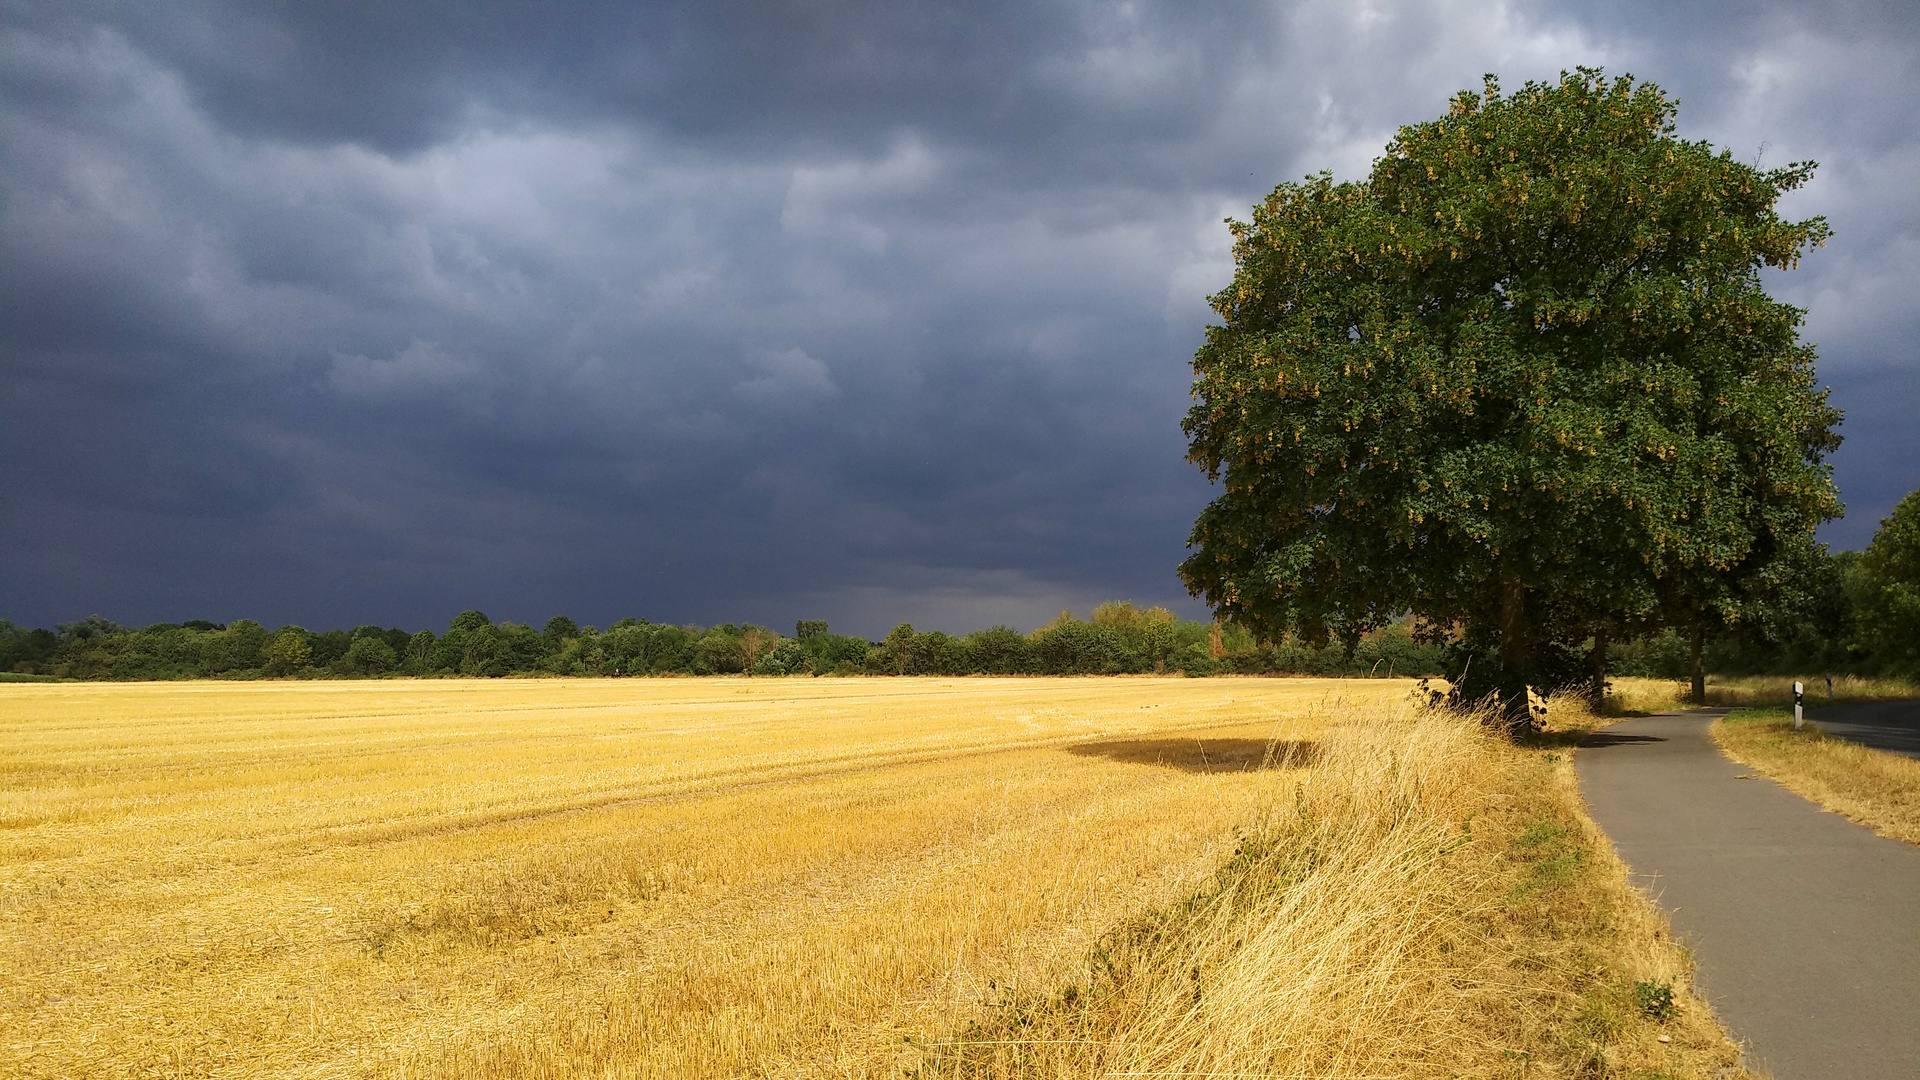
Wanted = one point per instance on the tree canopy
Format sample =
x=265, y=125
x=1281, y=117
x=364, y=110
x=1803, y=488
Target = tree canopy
x=1522, y=381
x=1889, y=589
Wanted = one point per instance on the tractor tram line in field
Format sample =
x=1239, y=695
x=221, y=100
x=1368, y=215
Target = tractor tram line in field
x=822, y=868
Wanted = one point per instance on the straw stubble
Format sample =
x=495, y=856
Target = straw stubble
x=860, y=877
x=620, y=877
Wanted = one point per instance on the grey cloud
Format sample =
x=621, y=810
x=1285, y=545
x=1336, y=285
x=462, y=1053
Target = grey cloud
x=703, y=312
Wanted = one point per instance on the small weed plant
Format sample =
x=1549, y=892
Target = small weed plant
x=1655, y=998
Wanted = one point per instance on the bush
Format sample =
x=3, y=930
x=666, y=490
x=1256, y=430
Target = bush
x=999, y=650
x=288, y=652
x=1887, y=592
x=1077, y=648
x=785, y=658
x=370, y=655
x=719, y=653
x=834, y=654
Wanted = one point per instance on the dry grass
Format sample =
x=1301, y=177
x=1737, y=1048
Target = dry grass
x=1429, y=901
x=1873, y=787
x=801, y=878
x=1631, y=696
x=618, y=877
x=1638, y=697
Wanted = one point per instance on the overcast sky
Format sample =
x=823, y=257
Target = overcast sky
x=336, y=313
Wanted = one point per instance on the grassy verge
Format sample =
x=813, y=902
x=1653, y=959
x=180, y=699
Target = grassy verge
x=1875, y=788
x=1631, y=696
x=1423, y=900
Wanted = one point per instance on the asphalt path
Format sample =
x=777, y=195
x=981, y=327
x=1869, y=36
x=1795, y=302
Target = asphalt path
x=1883, y=725
x=1805, y=926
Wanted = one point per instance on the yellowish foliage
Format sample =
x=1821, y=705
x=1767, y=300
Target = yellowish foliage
x=1122, y=615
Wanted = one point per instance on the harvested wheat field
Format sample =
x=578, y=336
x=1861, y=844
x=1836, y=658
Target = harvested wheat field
x=773, y=877
x=654, y=877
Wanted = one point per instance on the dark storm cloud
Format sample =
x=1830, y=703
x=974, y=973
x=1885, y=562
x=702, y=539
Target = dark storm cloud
x=870, y=311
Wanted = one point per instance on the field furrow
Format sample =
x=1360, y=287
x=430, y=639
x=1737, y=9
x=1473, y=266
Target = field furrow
x=609, y=877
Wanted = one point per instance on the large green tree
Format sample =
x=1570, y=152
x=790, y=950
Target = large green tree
x=1523, y=381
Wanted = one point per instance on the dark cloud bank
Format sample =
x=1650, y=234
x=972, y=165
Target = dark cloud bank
x=348, y=313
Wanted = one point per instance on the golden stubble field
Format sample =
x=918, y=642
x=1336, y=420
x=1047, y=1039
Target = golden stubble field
x=592, y=877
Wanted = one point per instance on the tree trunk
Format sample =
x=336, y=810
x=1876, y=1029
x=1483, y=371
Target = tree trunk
x=1514, y=709
x=1699, y=673
x=1598, y=660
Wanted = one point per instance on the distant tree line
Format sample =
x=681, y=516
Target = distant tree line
x=1117, y=639
x=1832, y=612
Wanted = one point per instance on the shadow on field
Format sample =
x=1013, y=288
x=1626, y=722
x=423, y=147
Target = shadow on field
x=1203, y=755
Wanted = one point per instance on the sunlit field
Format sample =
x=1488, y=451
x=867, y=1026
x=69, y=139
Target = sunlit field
x=581, y=878
x=1629, y=695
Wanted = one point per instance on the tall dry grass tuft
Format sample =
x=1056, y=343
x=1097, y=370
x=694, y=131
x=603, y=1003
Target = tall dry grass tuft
x=1425, y=900
x=1632, y=696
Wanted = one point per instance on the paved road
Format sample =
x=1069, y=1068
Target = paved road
x=1886, y=725
x=1806, y=926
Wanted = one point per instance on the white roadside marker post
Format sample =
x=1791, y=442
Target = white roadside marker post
x=1797, y=691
